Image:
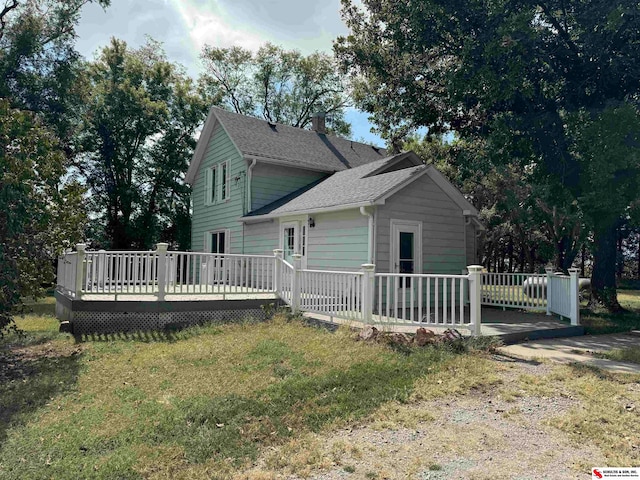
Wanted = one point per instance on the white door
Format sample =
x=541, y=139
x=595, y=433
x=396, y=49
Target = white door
x=293, y=239
x=290, y=240
x=406, y=254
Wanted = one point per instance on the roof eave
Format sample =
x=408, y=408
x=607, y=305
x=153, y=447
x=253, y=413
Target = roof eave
x=285, y=162
x=335, y=208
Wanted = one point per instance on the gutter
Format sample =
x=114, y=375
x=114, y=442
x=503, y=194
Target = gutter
x=363, y=211
x=309, y=211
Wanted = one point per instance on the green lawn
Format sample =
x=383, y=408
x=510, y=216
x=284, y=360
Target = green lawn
x=200, y=403
x=596, y=322
x=221, y=401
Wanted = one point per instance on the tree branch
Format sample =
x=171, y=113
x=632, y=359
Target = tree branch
x=5, y=11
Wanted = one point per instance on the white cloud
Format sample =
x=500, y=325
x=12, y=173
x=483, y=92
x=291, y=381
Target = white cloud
x=211, y=28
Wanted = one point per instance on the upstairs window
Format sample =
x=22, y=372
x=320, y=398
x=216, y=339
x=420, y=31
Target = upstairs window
x=224, y=181
x=216, y=187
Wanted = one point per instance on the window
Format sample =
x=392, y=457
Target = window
x=217, y=241
x=216, y=187
x=304, y=240
x=224, y=181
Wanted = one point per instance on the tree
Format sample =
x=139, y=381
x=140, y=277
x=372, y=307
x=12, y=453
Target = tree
x=41, y=209
x=38, y=62
x=510, y=72
x=38, y=219
x=278, y=85
x=141, y=115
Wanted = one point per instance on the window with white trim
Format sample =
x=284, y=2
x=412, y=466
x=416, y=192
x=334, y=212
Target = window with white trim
x=224, y=181
x=217, y=183
x=217, y=241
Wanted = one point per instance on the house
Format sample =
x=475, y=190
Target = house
x=258, y=186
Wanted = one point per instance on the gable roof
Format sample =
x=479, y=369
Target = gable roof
x=358, y=187
x=282, y=144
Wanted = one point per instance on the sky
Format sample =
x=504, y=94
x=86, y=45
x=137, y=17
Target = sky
x=185, y=26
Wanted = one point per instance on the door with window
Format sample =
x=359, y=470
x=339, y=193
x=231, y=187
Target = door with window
x=406, y=254
x=293, y=239
x=290, y=240
x=214, y=267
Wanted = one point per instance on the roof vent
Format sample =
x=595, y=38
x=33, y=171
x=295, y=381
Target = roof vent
x=318, y=122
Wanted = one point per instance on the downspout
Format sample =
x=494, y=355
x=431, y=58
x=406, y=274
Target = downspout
x=363, y=211
x=467, y=222
x=249, y=177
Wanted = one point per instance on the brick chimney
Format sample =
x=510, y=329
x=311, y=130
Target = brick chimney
x=318, y=122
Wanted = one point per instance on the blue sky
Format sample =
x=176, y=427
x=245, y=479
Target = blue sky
x=185, y=26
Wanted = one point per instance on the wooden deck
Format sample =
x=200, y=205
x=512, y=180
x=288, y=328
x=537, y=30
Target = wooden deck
x=130, y=311
x=510, y=326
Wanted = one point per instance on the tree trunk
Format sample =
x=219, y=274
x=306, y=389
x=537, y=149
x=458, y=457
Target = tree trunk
x=603, y=277
x=583, y=257
x=619, y=255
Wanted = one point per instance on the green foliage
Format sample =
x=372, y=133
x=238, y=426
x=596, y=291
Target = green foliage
x=41, y=210
x=38, y=218
x=279, y=85
x=141, y=115
x=516, y=76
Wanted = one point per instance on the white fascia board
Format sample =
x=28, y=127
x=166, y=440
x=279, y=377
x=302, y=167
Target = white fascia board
x=311, y=211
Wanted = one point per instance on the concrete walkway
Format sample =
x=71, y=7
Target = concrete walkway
x=577, y=350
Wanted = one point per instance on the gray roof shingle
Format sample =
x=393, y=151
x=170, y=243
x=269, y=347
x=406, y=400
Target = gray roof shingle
x=295, y=146
x=347, y=187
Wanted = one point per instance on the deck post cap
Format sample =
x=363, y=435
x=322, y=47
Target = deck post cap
x=475, y=268
x=369, y=267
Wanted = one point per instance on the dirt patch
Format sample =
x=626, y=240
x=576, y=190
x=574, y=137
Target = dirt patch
x=475, y=436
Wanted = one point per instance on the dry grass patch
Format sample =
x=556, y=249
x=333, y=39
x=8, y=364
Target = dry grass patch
x=206, y=402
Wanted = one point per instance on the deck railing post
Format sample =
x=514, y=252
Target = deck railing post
x=81, y=248
x=574, y=296
x=295, y=287
x=161, y=251
x=277, y=271
x=549, y=272
x=475, y=297
x=368, y=286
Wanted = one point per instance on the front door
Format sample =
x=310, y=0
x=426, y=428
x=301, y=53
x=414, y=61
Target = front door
x=215, y=267
x=406, y=251
x=293, y=239
x=290, y=240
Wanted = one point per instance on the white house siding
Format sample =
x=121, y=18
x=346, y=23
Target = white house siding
x=443, y=232
x=222, y=215
x=271, y=182
x=338, y=241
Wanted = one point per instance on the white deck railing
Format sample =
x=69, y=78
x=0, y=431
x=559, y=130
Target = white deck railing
x=163, y=273
x=67, y=269
x=333, y=293
x=426, y=299
x=200, y=273
x=526, y=291
x=563, y=295
x=365, y=296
